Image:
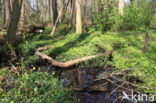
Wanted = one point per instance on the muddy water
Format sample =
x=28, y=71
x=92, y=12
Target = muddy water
x=88, y=89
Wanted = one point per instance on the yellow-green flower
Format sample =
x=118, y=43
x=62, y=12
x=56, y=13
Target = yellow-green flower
x=3, y=95
x=35, y=89
x=39, y=69
x=71, y=87
x=19, y=92
x=34, y=68
x=11, y=102
x=53, y=73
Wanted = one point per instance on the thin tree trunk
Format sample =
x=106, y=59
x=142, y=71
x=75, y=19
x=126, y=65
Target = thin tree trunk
x=13, y=25
x=10, y=6
x=37, y=5
x=22, y=14
x=27, y=13
x=55, y=11
x=0, y=10
x=73, y=15
x=63, y=9
x=92, y=18
x=42, y=10
x=78, y=17
x=3, y=12
x=49, y=9
x=121, y=7
x=7, y=12
x=145, y=50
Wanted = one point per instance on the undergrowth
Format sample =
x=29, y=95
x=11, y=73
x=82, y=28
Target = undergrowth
x=31, y=87
x=127, y=53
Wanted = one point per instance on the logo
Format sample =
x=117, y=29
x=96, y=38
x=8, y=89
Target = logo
x=137, y=97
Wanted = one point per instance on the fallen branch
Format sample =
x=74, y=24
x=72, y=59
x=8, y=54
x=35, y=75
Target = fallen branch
x=33, y=28
x=68, y=63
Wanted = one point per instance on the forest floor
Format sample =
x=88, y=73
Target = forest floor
x=127, y=52
x=127, y=46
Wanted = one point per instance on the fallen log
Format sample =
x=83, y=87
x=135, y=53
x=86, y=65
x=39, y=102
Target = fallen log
x=68, y=63
x=34, y=28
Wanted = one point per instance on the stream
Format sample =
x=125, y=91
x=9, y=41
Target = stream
x=93, y=85
x=87, y=87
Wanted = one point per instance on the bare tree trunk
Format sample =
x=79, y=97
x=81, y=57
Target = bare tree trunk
x=46, y=10
x=92, y=18
x=73, y=15
x=22, y=14
x=49, y=9
x=7, y=12
x=78, y=17
x=10, y=5
x=63, y=9
x=13, y=25
x=1, y=10
x=27, y=16
x=55, y=11
x=43, y=11
x=145, y=50
x=121, y=7
x=63, y=15
x=37, y=5
x=84, y=14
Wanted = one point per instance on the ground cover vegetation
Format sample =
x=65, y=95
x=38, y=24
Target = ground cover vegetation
x=73, y=34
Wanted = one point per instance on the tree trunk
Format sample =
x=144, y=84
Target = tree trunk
x=73, y=15
x=22, y=14
x=1, y=10
x=7, y=12
x=27, y=12
x=63, y=9
x=55, y=11
x=42, y=6
x=121, y=7
x=10, y=5
x=78, y=17
x=145, y=50
x=51, y=9
x=13, y=25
